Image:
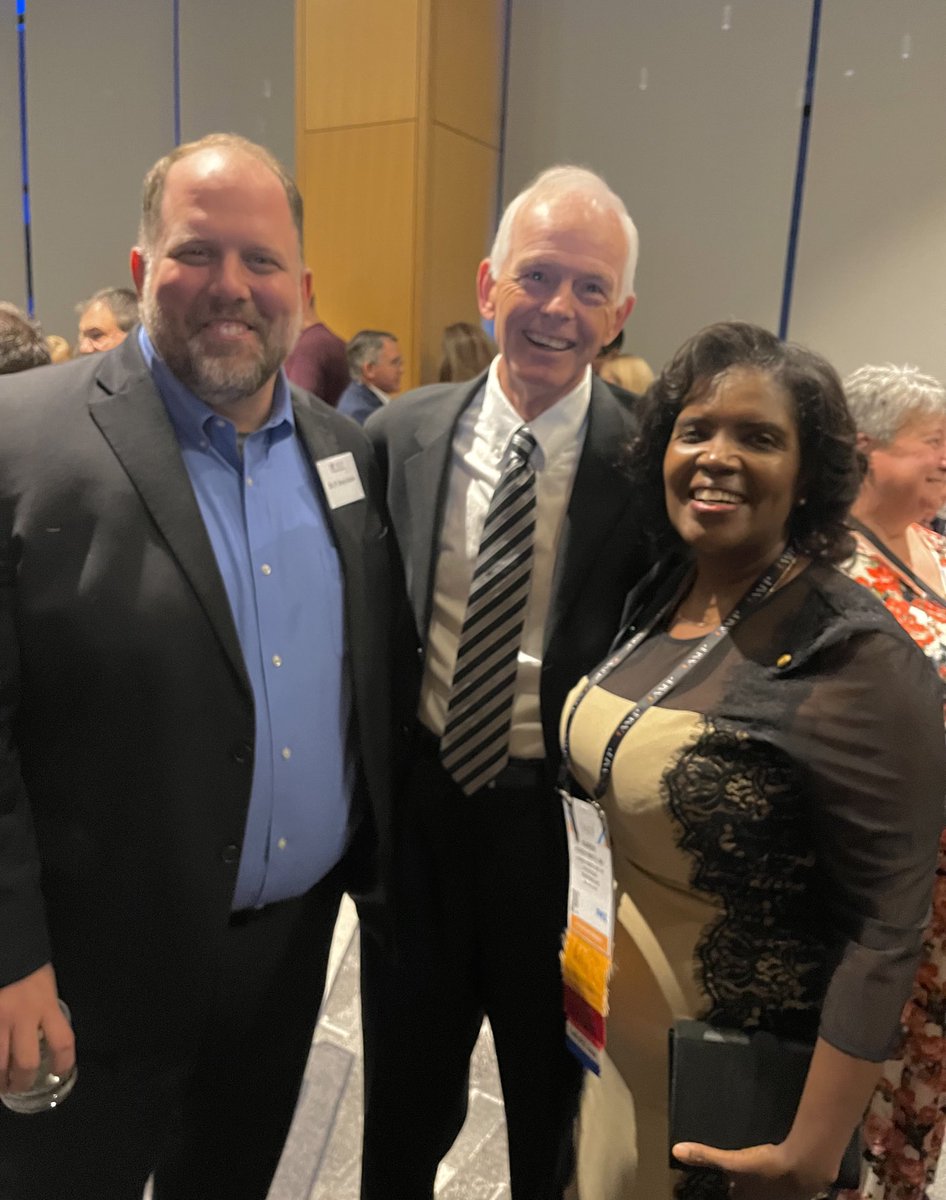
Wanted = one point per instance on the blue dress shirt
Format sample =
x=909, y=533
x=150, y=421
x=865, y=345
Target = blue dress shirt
x=281, y=571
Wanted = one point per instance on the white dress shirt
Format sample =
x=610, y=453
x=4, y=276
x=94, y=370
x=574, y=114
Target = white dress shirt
x=480, y=443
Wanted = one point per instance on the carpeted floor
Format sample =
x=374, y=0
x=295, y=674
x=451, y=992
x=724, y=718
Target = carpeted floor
x=321, y=1159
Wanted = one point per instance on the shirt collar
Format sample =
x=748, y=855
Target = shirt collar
x=557, y=428
x=190, y=415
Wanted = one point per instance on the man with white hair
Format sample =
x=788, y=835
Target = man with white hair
x=515, y=477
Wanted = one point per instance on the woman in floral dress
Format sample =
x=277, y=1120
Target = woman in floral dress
x=901, y=421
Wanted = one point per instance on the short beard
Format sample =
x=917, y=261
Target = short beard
x=218, y=381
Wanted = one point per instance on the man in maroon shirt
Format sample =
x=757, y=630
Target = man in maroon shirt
x=318, y=362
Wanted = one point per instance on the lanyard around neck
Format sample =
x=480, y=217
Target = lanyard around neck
x=749, y=603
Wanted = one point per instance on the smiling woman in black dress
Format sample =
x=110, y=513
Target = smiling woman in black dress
x=772, y=817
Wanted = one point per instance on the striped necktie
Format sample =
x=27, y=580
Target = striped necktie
x=474, y=746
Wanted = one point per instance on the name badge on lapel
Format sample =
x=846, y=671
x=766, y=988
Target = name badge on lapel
x=340, y=479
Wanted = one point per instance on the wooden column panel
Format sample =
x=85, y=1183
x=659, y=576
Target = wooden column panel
x=459, y=231
x=466, y=67
x=359, y=61
x=360, y=211
x=398, y=111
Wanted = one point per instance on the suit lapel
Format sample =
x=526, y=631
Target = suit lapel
x=133, y=420
x=371, y=401
x=317, y=433
x=599, y=495
x=426, y=472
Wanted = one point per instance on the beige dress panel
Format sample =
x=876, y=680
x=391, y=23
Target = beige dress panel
x=623, y=1132
x=774, y=822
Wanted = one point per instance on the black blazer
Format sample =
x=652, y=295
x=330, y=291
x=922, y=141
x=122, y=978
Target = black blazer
x=126, y=714
x=602, y=551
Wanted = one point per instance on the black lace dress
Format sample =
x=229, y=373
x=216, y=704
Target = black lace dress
x=774, y=822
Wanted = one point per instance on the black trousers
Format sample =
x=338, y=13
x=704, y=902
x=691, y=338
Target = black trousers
x=480, y=907
x=211, y=1126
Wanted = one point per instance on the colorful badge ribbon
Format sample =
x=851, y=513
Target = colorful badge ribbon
x=587, y=946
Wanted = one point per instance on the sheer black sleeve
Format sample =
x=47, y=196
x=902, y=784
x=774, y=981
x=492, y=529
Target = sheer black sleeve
x=871, y=736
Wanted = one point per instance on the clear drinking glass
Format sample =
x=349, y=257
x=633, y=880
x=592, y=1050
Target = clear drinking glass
x=48, y=1090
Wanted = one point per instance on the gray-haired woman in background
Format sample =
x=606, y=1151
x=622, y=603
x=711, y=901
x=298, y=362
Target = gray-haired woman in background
x=900, y=416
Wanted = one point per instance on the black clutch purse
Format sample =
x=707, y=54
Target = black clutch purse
x=730, y=1089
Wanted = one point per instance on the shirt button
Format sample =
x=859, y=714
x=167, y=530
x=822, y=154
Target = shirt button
x=281, y=843
x=221, y=424
x=277, y=661
x=249, y=481
x=266, y=569
x=203, y=444
x=286, y=752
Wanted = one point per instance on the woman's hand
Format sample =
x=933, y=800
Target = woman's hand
x=756, y=1173
x=836, y=1093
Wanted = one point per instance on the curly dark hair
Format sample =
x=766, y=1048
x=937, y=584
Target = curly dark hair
x=826, y=433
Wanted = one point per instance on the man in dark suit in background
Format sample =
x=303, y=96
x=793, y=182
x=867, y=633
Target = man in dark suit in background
x=106, y=319
x=516, y=525
x=376, y=367
x=194, y=707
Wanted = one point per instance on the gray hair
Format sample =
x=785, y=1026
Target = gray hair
x=122, y=303
x=22, y=344
x=552, y=184
x=883, y=398
x=364, y=348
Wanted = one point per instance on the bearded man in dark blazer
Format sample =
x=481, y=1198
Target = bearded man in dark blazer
x=480, y=862
x=195, y=599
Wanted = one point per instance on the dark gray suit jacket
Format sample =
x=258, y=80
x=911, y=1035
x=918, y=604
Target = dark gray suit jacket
x=126, y=713
x=601, y=554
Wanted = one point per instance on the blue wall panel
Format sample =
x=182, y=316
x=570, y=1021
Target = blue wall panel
x=108, y=87
x=871, y=277
x=12, y=257
x=691, y=111
x=100, y=101
x=237, y=72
